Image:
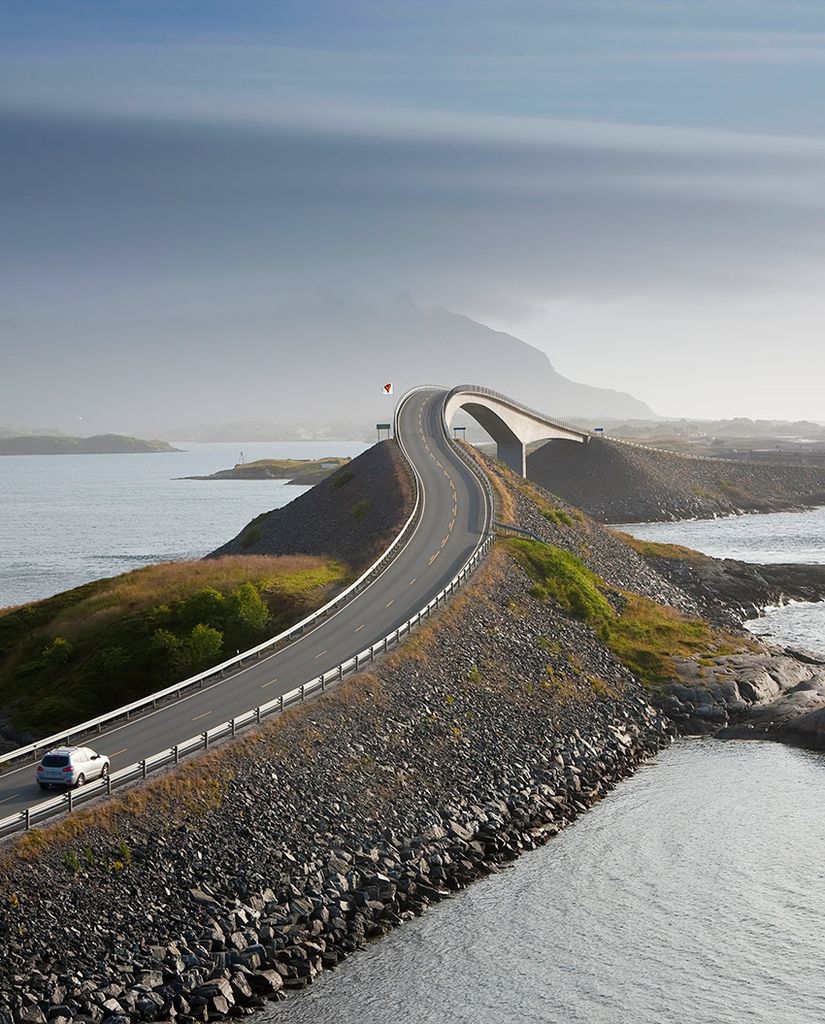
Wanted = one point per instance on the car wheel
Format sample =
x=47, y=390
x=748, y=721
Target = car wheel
x=80, y=780
x=105, y=773
x=43, y=785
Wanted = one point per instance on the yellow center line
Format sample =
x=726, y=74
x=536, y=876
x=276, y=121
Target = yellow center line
x=271, y=681
x=359, y=628
x=434, y=557
x=390, y=602
x=445, y=540
x=123, y=751
x=320, y=655
x=452, y=524
x=202, y=716
x=413, y=580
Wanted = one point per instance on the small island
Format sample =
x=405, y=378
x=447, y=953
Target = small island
x=99, y=444
x=294, y=471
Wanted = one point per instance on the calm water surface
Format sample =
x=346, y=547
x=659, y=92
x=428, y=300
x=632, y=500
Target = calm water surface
x=69, y=519
x=693, y=894
x=777, y=537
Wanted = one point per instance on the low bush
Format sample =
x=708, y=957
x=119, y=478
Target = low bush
x=644, y=635
x=86, y=651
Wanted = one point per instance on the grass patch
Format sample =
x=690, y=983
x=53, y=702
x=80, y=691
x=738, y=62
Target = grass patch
x=110, y=642
x=734, y=492
x=644, y=635
x=561, y=577
x=653, y=549
x=360, y=509
x=342, y=478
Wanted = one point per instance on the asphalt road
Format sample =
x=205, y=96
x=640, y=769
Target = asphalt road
x=452, y=520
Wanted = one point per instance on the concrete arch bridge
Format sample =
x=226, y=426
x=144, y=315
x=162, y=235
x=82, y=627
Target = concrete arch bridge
x=511, y=425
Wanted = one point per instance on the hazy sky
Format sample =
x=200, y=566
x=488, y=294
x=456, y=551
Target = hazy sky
x=638, y=188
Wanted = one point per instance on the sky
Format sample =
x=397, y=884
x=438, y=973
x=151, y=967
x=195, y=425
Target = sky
x=636, y=188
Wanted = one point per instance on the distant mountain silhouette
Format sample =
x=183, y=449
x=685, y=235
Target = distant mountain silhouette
x=328, y=364
x=318, y=363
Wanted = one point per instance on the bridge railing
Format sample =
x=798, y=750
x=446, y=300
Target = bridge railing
x=69, y=801
x=506, y=400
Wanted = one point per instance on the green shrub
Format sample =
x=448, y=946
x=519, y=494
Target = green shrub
x=645, y=636
x=246, y=611
x=360, y=510
x=342, y=477
x=78, y=654
x=202, y=648
x=563, y=578
x=251, y=535
x=58, y=652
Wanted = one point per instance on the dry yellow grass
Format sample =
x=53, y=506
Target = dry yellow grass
x=506, y=506
x=169, y=581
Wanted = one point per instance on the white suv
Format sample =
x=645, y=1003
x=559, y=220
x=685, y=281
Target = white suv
x=71, y=766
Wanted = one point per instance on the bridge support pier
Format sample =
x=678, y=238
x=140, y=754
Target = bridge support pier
x=514, y=455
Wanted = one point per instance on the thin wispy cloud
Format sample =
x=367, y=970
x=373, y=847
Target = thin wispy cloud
x=571, y=172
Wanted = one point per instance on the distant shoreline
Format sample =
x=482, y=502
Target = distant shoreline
x=99, y=444
x=292, y=471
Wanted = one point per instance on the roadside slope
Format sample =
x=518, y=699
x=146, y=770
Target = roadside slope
x=350, y=516
x=620, y=483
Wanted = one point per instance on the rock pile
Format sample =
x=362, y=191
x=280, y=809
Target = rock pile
x=621, y=483
x=252, y=869
x=351, y=516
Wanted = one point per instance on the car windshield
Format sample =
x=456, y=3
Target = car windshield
x=55, y=760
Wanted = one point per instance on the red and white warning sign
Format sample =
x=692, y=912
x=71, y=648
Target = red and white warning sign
x=388, y=389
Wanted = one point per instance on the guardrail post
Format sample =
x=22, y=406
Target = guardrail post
x=356, y=662
x=27, y=817
x=303, y=688
x=176, y=753
x=108, y=785
x=322, y=682
x=143, y=767
x=385, y=644
x=206, y=740
x=258, y=711
x=340, y=672
x=70, y=799
x=232, y=725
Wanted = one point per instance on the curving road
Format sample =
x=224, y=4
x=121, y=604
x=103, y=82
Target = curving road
x=453, y=518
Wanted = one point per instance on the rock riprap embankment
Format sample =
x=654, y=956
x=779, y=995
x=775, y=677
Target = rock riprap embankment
x=243, y=875
x=623, y=483
x=350, y=515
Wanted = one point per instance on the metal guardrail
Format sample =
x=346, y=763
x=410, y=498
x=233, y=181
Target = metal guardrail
x=70, y=800
x=517, y=531
x=217, y=672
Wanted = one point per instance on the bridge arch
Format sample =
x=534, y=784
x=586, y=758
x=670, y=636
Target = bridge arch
x=511, y=425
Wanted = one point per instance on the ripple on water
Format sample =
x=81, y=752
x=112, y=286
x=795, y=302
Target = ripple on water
x=693, y=893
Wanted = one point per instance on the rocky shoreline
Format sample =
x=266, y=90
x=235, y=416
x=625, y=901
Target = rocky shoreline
x=262, y=863
x=239, y=877
x=242, y=946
